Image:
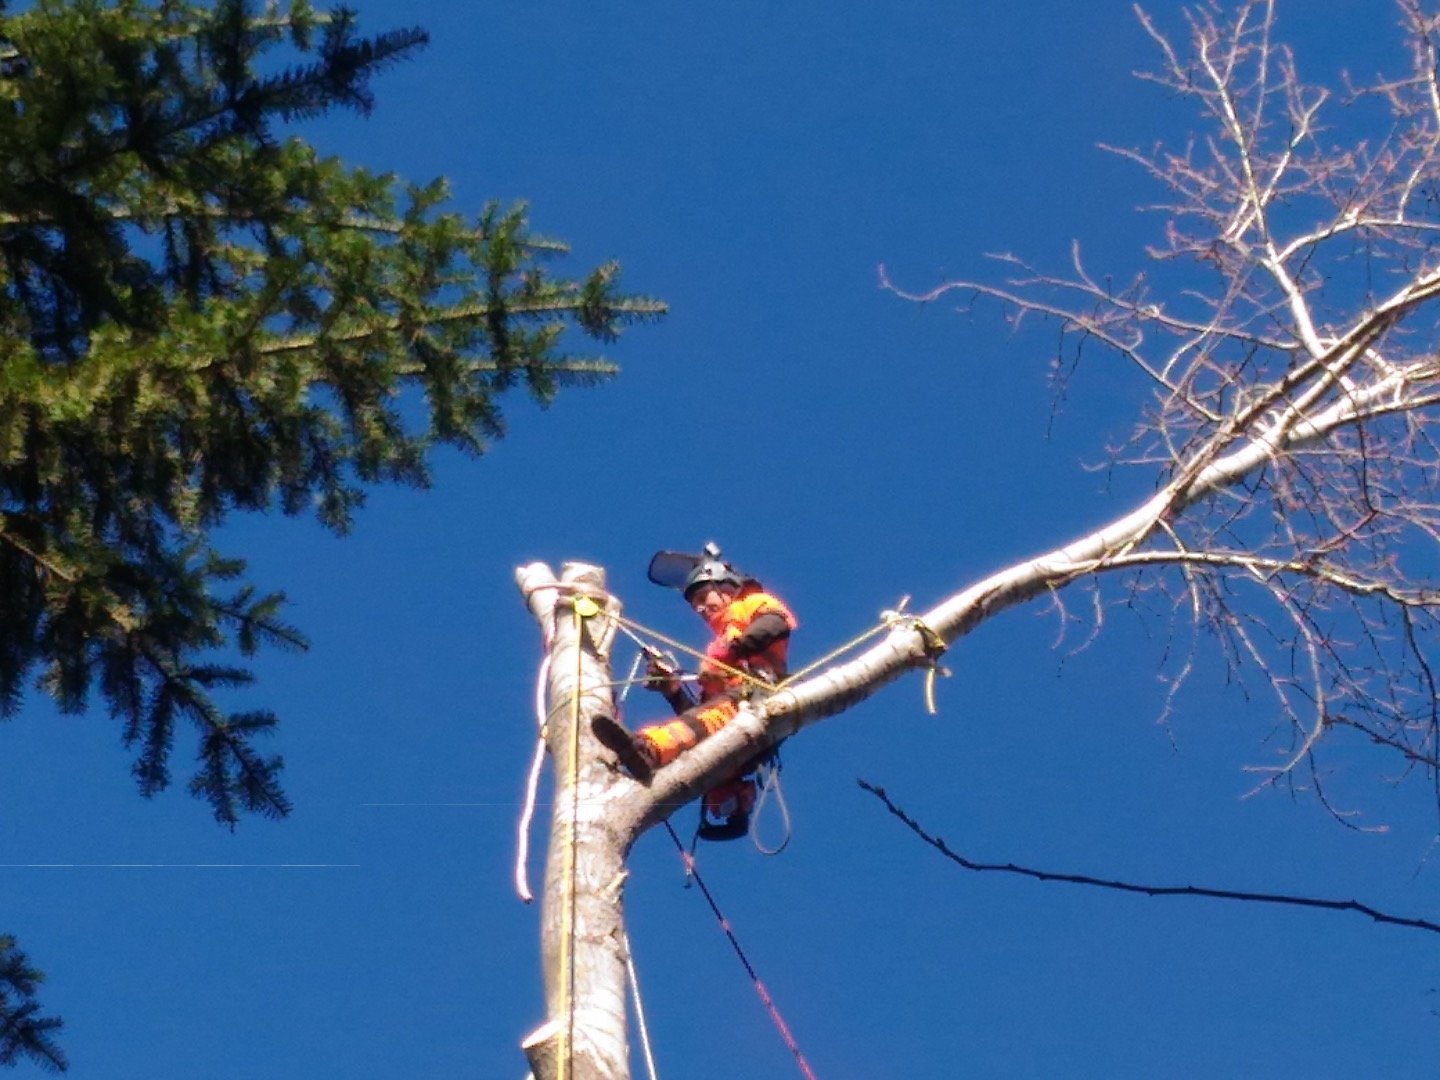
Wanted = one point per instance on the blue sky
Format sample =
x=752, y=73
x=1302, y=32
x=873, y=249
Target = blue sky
x=752, y=164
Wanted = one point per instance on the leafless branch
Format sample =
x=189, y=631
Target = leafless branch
x=1199, y=891
x=1288, y=339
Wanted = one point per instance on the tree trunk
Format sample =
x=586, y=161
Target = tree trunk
x=582, y=936
x=598, y=811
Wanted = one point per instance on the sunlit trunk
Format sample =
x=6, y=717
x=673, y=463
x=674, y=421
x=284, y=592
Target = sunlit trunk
x=582, y=932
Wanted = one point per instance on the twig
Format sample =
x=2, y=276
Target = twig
x=1148, y=890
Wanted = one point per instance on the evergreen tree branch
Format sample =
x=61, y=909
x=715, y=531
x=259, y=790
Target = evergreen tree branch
x=462, y=313
x=356, y=222
x=40, y=560
x=24, y=1033
x=198, y=317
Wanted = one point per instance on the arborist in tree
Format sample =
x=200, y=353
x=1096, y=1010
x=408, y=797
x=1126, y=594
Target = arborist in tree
x=752, y=635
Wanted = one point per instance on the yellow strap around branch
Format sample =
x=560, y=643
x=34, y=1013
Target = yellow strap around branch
x=584, y=608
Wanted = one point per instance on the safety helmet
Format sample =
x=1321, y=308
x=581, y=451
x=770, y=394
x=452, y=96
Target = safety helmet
x=686, y=572
x=711, y=572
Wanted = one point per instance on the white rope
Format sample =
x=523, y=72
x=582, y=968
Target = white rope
x=639, y=1012
x=630, y=678
x=770, y=784
x=645, y=646
x=542, y=684
x=532, y=787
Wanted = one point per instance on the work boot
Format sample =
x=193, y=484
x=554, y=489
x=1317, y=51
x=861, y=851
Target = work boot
x=636, y=754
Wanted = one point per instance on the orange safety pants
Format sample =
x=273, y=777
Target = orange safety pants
x=673, y=737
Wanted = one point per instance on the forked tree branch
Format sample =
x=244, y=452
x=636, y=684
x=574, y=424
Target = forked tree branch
x=1289, y=337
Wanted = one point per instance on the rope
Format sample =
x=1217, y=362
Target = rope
x=639, y=1011
x=840, y=650
x=769, y=782
x=632, y=628
x=889, y=620
x=693, y=871
x=537, y=763
x=644, y=645
x=629, y=679
x=532, y=788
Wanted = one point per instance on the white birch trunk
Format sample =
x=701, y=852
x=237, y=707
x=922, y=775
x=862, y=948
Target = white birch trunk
x=582, y=935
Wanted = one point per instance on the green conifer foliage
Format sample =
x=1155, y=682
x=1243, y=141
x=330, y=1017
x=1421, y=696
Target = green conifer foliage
x=199, y=314
x=23, y=1032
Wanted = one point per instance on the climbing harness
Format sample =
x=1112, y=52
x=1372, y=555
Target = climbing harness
x=725, y=810
x=731, y=809
x=735, y=808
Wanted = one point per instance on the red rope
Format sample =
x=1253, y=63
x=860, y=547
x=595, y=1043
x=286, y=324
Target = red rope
x=765, y=998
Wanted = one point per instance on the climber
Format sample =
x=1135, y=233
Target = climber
x=751, y=637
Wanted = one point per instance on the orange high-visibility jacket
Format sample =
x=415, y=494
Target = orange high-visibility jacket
x=730, y=627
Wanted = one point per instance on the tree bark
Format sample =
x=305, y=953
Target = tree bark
x=582, y=936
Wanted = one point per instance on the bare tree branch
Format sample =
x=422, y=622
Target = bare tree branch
x=1148, y=890
x=1289, y=337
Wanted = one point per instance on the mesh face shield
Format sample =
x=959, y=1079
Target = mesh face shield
x=684, y=571
x=672, y=569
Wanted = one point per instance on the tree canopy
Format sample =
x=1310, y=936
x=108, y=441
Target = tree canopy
x=199, y=314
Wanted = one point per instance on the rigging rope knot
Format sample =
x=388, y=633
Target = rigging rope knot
x=931, y=643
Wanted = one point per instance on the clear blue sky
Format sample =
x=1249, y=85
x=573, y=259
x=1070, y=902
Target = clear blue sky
x=752, y=163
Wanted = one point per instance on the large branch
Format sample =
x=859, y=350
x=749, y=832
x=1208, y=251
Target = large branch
x=762, y=724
